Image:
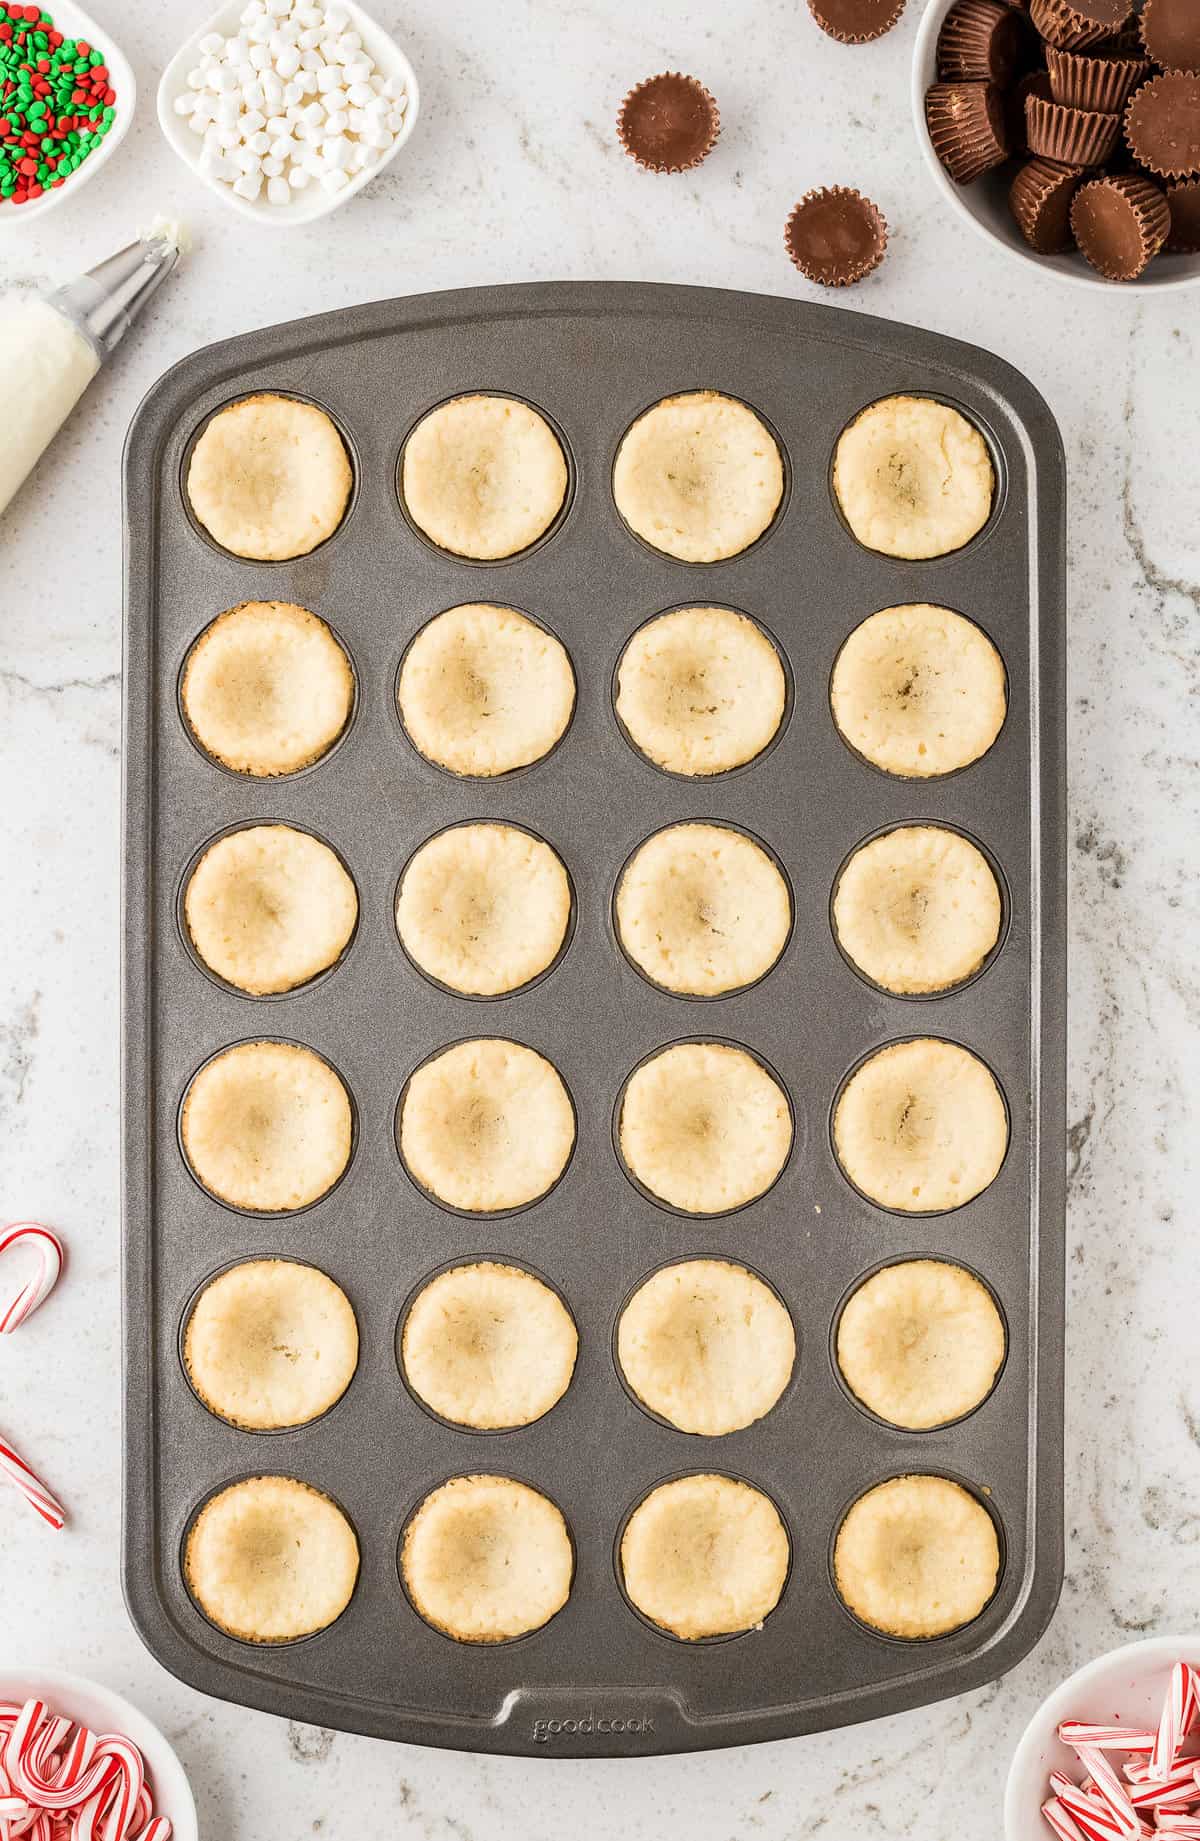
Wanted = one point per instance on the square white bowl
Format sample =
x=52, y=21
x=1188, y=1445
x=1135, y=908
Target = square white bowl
x=73, y=22
x=984, y=205
x=315, y=202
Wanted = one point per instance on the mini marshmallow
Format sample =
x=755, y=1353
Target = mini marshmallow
x=251, y=122
x=327, y=77
x=259, y=143
x=338, y=121
x=278, y=191
x=359, y=71
x=298, y=178
x=275, y=126
x=287, y=63
x=249, y=185
x=247, y=161
x=186, y=104
x=195, y=79
x=336, y=153
x=334, y=180
x=212, y=42
x=229, y=138
x=272, y=168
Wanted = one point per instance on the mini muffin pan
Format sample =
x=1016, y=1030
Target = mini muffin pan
x=597, y=1679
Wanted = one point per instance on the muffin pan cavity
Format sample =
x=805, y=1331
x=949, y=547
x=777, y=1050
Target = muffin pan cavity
x=592, y=1674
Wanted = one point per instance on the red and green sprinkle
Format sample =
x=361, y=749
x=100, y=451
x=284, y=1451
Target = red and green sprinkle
x=56, y=103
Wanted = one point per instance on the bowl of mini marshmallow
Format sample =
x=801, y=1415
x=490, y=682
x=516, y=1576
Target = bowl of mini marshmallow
x=287, y=108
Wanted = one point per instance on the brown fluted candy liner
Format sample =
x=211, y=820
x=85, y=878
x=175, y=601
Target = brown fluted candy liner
x=1033, y=83
x=1184, y=200
x=966, y=126
x=1121, y=221
x=669, y=123
x=1162, y=125
x=1170, y=31
x=1072, y=24
x=1040, y=200
x=1101, y=81
x=856, y=22
x=836, y=236
x=1070, y=137
x=981, y=41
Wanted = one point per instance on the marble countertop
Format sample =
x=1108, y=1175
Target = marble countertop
x=514, y=174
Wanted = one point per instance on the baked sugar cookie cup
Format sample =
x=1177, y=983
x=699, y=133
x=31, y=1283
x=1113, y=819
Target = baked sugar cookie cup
x=894, y=900
x=267, y=1126
x=270, y=477
x=919, y=1343
x=700, y=477
x=484, y=477
x=703, y=1556
x=486, y=1558
x=268, y=690
x=486, y=1344
x=270, y=1559
x=917, y=1556
x=916, y=478
x=702, y=691
x=267, y=909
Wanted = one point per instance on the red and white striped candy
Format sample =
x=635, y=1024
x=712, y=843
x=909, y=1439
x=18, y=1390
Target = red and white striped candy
x=30, y=1485
x=1110, y=1789
x=1179, y=1788
x=49, y=1250
x=1105, y=1738
x=1179, y=1710
x=1059, y=1819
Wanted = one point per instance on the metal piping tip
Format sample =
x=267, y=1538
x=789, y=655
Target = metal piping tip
x=104, y=302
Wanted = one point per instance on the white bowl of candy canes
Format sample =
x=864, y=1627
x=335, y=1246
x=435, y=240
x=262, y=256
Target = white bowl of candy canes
x=1114, y=1751
x=287, y=108
x=80, y=1747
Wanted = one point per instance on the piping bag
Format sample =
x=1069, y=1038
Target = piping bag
x=52, y=345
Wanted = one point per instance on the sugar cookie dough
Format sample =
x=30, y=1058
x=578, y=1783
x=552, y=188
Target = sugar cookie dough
x=706, y=1345
x=704, y=1127
x=271, y=1559
x=705, y=1556
x=486, y=1559
x=271, y=1343
x=269, y=478
x=266, y=1126
x=699, y=477
x=486, y=1124
x=917, y=1557
x=921, y=1126
x=483, y=690
x=489, y=1346
x=919, y=691
x=917, y=909
x=702, y=909
x=269, y=907
x=483, y=476
x=920, y=1343
x=913, y=478
x=267, y=689
x=700, y=690
x=483, y=908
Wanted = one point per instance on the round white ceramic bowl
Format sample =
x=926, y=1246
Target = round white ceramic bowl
x=73, y=22
x=984, y=205
x=105, y=1711
x=1124, y=1688
x=314, y=202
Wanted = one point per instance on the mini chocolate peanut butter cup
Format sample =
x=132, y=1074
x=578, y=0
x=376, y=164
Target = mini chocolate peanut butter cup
x=1184, y=200
x=981, y=41
x=1121, y=221
x=1171, y=33
x=1040, y=200
x=1033, y=83
x=836, y=236
x=1102, y=80
x=1072, y=24
x=1070, y=137
x=967, y=128
x=856, y=22
x=669, y=123
x=1162, y=125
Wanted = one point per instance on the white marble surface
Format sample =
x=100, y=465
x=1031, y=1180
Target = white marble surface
x=514, y=174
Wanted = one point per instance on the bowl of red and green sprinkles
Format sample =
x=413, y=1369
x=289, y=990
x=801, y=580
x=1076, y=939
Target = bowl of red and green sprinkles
x=66, y=99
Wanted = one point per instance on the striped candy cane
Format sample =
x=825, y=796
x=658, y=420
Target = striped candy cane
x=30, y=1485
x=37, y=1289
